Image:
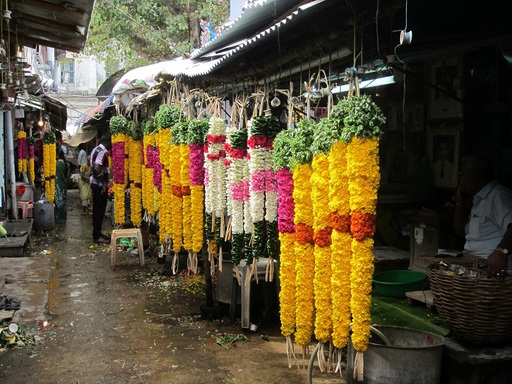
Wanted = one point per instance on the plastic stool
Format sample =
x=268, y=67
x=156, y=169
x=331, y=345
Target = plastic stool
x=26, y=208
x=130, y=233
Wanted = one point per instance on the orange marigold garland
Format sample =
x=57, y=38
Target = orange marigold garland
x=362, y=119
x=339, y=206
x=303, y=220
x=22, y=152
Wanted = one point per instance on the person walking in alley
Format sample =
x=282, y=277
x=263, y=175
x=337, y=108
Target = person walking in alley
x=82, y=155
x=61, y=188
x=100, y=175
x=84, y=187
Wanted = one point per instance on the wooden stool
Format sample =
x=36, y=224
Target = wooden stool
x=26, y=208
x=130, y=233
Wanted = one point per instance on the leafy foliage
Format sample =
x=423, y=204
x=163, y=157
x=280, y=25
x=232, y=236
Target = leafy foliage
x=167, y=116
x=283, y=149
x=301, y=142
x=118, y=124
x=238, y=138
x=197, y=130
x=130, y=33
x=149, y=126
x=49, y=137
x=358, y=116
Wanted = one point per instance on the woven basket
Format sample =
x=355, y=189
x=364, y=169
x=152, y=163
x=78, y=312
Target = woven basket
x=476, y=309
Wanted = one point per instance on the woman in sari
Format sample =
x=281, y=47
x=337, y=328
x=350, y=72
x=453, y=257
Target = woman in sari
x=84, y=187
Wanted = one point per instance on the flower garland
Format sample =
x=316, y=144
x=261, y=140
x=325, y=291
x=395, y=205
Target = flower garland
x=22, y=152
x=339, y=206
x=175, y=170
x=135, y=172
x=163, y=139
x=196, y=138
x=49, y=164
x=147, y=172
x=118, y=128
x=301, y=142
x=286, y=229
x=31, y=158
x=186, y=198
x=362, y=119
x=236, y=150
x=215, y=176
x=322, y=229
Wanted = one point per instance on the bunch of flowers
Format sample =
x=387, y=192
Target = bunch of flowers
x=236, y=150
x=304, y=245
x=322, y=237
x=281, y=162
x=31, y=158
x=22, y=151
x=118, y=130
x=49, y=164
x=163, y=139
x=175, y=170
x=135, y=172
x=196, y=138
x=215, y=176
x=148, y=193
x=362, y=119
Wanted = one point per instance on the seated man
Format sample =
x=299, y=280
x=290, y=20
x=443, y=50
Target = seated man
x=483, y=215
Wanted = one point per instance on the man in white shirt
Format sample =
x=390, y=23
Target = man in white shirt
x=82, y=155
x=483, y=215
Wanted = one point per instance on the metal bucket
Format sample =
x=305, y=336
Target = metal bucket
x=44, y=219
x=412, y=357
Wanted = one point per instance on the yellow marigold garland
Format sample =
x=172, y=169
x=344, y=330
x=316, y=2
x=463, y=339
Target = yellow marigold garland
x=322, y=229
x=119, y=188
x=147, y=178
x=163, y=138
x=49, y=169
x=364, y=178
x=339, y=206
x=135, y=171
x=22, y=151
x=176, y=198
x=287, y=279
x=304, y=254
x=185, y=191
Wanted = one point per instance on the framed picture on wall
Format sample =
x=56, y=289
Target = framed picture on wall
x=412, y=120
x=443, y=150
x=445, y=94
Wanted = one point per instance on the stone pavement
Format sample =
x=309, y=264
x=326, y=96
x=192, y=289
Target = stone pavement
x=26, y=278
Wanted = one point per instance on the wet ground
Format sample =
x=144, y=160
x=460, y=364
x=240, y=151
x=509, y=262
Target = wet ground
x=133, y=325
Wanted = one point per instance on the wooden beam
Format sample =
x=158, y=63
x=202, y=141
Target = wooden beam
x=51, y=11
x=55, y=43
x=39, y=23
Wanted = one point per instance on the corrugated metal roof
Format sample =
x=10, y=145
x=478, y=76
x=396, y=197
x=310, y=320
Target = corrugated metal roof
x=254, y=17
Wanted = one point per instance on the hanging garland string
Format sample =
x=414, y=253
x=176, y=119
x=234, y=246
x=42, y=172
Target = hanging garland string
x=31, y=158
x=286, y=229
x=196, y=138
x=147, y=172
x=304, y=244
x=362, y=121
x=49, y=164
x=22, y=152
x=135, y=172
x=118, y=129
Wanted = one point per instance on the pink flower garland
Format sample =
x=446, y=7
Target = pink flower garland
x=286, y=205
x=118, y=162
x=22, y=148
x=31, y=151
x=196, y=164
x=153, y=155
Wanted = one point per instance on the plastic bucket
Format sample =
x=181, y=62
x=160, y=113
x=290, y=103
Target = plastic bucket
x=44, y=219
x=24, y=192
x=413, y=356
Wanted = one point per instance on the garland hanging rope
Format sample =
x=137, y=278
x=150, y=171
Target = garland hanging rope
x=286, y=227
x=305, y=265
x=362, y=120
x=118, y=129
x=49, y=164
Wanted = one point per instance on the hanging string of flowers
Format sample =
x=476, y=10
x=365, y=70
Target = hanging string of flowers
x=322, y=235
x=215, y=176
x=163, y=138
x=303, y=220
x=147, y=172
x=22, y=152
x=236, y=150
x=362, y=122
x=31, y=158
x=339, y=207
x=273, y=127
x=118, y=129
x=135, y=172
x=196, y=138
x=49, y=164
x=286, y=226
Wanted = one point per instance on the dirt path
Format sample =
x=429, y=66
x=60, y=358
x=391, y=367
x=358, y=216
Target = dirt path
x=108, y=326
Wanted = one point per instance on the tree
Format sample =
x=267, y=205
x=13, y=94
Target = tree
x=133, y=33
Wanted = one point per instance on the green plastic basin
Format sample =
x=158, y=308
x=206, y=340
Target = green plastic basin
x=396, y=283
